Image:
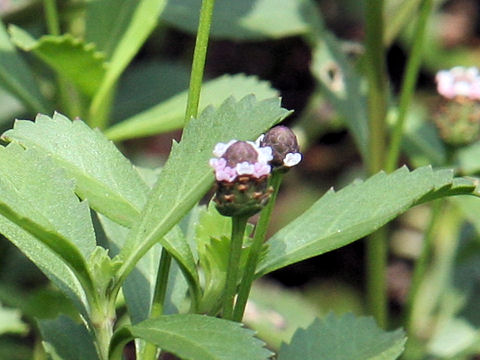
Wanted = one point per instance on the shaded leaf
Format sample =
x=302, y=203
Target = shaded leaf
x=242, y=20
x=106, y=22
x=341, y=86
x=68, y=56
x=339, y=218
x=197, y=337
x=142, y=22
x=103, y=175
x=16, y=77
x=344, y=338
x=66, y=340
x=169, y=115
x=467, y=158
x=186, y=176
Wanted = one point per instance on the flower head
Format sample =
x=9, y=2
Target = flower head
x=242, y=172
x=459, y=82
x=284, y=146
x=237, y=158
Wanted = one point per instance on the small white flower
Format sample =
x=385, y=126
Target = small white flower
x=459, y=81
x=265, y=154
x=245, y=168
x=292, y=159
x=259, y=140
x=220, y=148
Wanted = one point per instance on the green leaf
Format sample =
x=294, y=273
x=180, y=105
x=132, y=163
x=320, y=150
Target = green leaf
x=196, y=337
x=66, y=340
x=106, y=22
x=276, y=312
x=37, y=197
x=344, y=338
x=339, y=218
x=70, y=57
x=16, y=77
x=341, y=86
x=186, y=176
x=142, y=23
x=11, y=322
x=467, y=158
x=47, y=261
x=169, y=115
x=103, y=175
x=242, y=20
x=421, y=141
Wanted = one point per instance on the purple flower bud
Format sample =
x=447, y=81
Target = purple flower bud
x=242, y=171
x=284, y=146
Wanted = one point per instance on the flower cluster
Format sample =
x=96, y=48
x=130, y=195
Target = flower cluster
x=242, y=170
x=237, y=158
x=284, y=146
x=459, y=82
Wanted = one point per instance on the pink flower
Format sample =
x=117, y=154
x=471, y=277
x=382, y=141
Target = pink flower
x=459, y=81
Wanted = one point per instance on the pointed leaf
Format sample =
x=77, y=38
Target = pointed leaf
x=66, y=340
x=339, y=218
x=169, y=115
x=197, y=337
x=16, y=77
x=187, y=176
x=344, y=338
x=68, y=56
x=103, y=175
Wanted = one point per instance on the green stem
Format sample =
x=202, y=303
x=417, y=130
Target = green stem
x=238, y=229
x=199, y=56
x=255, y=249
x=421, y=263
x=150, y=350
x=51, y=15
x=377, y=109
x=408, y=86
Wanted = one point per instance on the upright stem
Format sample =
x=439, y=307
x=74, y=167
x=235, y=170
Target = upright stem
x=150, y=350
x=377, y=110
x=199, y=56
x=255, y=249
x=238, y=229
x=408, y=85
x=51, y=15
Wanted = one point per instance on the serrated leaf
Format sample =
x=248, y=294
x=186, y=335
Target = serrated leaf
x=339, y=218
x=66, y=340
x=103, y=175
x=37, y=197
x=344, y=338
x=197, y=337
x=16, y=77
x=341, y=86
x=169, y=115
x=68, y=56
x=242, y=20
x=186, y=176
